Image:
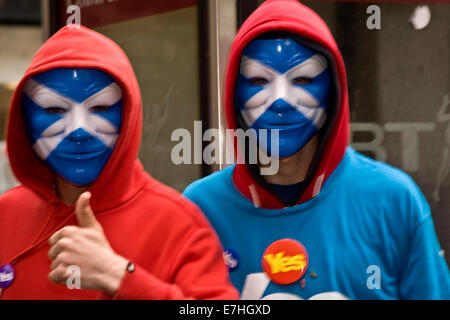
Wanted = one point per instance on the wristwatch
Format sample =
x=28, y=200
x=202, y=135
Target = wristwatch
x=130, y=267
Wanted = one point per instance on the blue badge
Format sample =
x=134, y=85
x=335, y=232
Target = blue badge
x=231, y=259
x=7, y=275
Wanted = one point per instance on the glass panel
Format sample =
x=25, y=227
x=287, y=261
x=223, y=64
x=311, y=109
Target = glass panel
x=163, y=50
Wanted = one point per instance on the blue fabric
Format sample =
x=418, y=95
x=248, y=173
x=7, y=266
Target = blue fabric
x=368, y=217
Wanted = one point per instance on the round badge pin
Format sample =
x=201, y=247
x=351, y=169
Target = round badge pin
x=285, y=261
x=231, y=259
x=7, y=275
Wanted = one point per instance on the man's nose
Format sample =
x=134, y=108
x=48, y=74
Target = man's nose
x=280, y=105
x=79, y=135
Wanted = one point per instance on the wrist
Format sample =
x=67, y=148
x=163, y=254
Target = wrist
x=115, y=275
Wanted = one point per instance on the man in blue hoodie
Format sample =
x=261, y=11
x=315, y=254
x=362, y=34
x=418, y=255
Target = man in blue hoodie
x=331, y=223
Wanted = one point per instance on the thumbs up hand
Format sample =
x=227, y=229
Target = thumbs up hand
x=84, y=214
x=86, y=247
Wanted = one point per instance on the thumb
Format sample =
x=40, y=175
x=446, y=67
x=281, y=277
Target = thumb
x=83, y=212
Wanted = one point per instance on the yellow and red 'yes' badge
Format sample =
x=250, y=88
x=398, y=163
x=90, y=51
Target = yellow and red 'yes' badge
x=285, y=261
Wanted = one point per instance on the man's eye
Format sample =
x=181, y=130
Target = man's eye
x=54, y=110
x=99, y=108
x=301, y=80
x=257, y=81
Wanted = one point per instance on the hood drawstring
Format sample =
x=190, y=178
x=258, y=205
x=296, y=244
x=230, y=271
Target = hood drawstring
x=255, y=196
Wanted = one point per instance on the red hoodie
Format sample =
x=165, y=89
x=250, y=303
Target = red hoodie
x=292, y=17
x=176, y=253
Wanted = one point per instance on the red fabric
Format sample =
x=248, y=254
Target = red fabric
x=176, y=253
x=289, y=16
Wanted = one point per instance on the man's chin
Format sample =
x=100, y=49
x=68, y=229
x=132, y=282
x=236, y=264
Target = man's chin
x=73, y=184
x=79, y=176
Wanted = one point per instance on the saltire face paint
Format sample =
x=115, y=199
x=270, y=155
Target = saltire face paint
x=72, y=118
x=286, y=86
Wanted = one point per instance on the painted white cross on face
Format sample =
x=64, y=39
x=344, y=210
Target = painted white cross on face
x=280, y=86
x=76, y=116
x=73, y=117
x=286, y=86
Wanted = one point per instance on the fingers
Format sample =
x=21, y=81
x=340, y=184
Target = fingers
x=64, y=244
x=65, y=232
x=61, y=259
x=59, y=274
x=61, y=255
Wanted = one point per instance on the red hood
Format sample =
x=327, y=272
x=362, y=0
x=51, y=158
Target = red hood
x=293, y=17
x=122, y=176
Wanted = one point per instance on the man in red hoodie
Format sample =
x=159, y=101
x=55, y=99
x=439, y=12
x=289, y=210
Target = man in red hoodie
x=86, y=212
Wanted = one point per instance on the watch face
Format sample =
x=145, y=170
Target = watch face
x=130, y=267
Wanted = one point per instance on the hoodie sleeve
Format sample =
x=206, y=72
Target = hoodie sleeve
x=198, y=272
x=424, y=274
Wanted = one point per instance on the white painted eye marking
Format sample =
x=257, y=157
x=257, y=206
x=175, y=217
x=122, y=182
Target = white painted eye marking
x=251, y=68
x=310, y=68
x=281, y=87
x=107, y=96
x=77, y=116
x=55, y=128
x=45, y=97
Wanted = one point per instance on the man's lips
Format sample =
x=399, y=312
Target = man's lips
x=281, y=125
x=81, y=155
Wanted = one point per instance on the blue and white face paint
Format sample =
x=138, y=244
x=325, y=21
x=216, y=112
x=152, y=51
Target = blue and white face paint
x=286, y=86
x=72, y=118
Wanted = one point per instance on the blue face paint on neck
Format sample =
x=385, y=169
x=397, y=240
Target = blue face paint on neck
x=72, y=118
x=285, y=86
